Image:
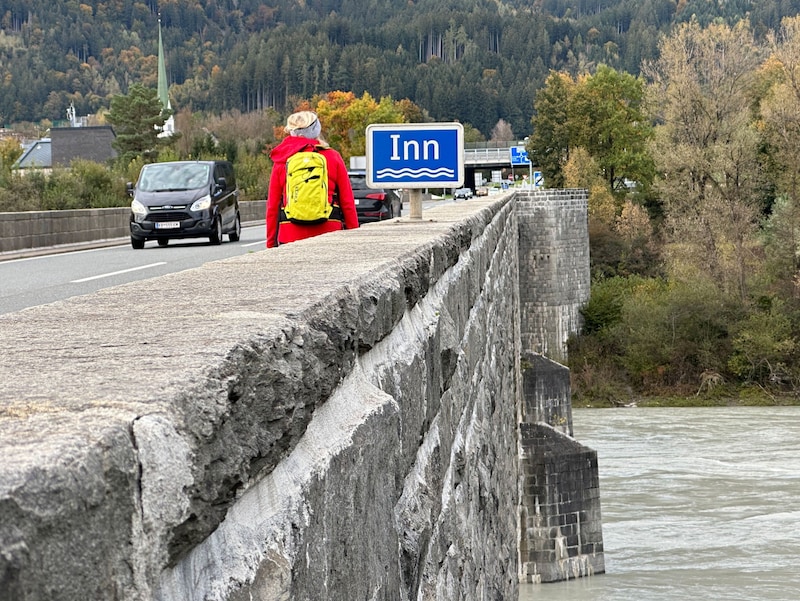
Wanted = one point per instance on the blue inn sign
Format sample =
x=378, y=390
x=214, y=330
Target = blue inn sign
x=415, y=155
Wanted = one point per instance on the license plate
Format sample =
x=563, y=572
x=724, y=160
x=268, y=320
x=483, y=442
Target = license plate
x=168, y=225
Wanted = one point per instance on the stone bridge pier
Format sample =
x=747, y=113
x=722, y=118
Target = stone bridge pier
x=372, y=414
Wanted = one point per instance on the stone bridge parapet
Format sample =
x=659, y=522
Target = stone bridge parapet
x=338, y=418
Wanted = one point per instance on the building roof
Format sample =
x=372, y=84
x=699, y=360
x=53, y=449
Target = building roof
x=90, y=143
x=37, y=154
x=66, y=144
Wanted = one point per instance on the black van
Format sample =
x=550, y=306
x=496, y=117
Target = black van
x=185, y=199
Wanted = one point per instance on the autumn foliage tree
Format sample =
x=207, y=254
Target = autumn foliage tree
x=602, y=113
x=10, y=151
x=707, y=149
x=779, y=122
x=592, y=132
x=727, y=110
x=549, y=144
x=344, y=118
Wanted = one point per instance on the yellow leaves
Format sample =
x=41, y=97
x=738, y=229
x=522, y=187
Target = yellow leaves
x=412, y=113
x=772, y=68
x=344, y=117
x=602, y=206
x=582, y=171
x=10, y=151
x=337, y=99
x=633, y=222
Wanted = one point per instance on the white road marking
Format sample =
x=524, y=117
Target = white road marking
x=113, y=273
x=63, y=253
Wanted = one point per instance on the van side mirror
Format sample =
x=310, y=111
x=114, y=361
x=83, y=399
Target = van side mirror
x=222, y=184
x=129, y=188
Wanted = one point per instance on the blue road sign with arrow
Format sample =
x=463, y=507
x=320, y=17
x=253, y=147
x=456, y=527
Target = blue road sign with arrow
x=519, y=156
x=415, y=155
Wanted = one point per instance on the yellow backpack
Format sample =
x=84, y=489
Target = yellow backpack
x=306, y=200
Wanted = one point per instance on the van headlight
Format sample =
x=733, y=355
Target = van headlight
x=138, y=209
x=201, y=204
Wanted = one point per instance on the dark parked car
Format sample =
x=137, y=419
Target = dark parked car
x=185, y=199
x=374, y=204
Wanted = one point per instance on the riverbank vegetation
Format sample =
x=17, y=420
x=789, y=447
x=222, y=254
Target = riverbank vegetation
x=697, y=300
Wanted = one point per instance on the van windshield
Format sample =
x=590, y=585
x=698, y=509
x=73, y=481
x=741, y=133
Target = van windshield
x=159, y=177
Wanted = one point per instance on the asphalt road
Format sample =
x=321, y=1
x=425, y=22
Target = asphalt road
x=32, y=281
x=52, y=276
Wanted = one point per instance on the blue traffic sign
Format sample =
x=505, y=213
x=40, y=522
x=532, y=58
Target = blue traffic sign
x=519, y=156
x=538, y=179
x=415, y=155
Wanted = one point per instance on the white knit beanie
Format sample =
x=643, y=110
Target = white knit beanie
x=304, y=124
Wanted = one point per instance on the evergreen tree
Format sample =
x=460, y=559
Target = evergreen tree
x=137, y=119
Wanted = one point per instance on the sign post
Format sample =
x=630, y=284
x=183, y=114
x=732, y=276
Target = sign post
x=415, y=156
x=416, y=203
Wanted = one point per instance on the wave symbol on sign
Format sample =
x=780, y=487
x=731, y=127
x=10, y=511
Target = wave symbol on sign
x=415, y=173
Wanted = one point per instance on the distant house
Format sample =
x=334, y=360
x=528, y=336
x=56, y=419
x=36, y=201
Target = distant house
x=66, y=144
x=90, y=143
x=35, y=155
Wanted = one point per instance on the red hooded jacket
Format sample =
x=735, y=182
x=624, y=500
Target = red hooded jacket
x=338, y=183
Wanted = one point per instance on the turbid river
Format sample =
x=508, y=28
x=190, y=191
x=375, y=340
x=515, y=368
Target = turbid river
x=697, y=504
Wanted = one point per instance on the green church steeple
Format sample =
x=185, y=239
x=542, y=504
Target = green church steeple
x=163, y=88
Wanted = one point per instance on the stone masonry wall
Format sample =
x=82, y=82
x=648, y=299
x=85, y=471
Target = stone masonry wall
x=563, y=536
x=546, y=392
x=308, y=422
x=399, y=487
x=554, y=268
x=561, y=528
x=560, y=516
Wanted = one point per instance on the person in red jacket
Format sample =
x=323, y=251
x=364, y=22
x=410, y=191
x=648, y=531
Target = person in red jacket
x=304, y=130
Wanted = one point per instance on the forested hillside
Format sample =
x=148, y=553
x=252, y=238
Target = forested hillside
x=476, y=61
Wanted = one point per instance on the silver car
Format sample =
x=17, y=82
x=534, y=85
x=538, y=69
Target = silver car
x=465, y=193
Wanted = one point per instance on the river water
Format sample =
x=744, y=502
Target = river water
x=697, y=504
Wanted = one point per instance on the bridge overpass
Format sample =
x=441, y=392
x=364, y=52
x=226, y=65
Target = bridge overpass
x=489, y=154
x=481, y=156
